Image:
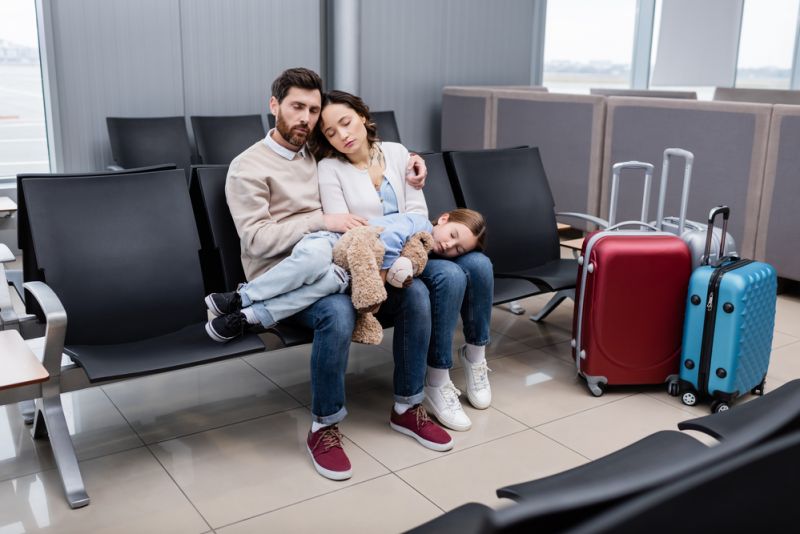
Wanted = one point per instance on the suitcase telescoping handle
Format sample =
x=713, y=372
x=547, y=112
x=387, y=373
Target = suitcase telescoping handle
x=648, y=178
x=725, y=211
x=687, y=180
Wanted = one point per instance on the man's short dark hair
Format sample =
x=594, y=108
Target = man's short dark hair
x=297, y=77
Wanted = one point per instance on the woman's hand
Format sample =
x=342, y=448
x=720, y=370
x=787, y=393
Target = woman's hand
x=416, y=171
x=342, y=222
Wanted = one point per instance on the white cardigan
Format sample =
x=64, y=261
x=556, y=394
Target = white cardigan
x=345, y=189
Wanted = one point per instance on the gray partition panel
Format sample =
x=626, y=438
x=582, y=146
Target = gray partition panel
x=468, y=121
x=729, y=144
x=780, y=206
x=764, y=96
x=568, y=130
x=649, y=93
x=465, y=120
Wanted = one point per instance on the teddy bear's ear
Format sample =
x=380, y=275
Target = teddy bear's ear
x=425, y=239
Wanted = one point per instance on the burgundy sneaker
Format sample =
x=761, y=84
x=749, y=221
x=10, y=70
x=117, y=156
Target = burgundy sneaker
x=416, y=423
x=325, y=448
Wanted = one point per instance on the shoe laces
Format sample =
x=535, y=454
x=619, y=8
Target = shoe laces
x=331, y=437
x=450, y=393
x=480, y=374
x=234, y=321
x=421, y=414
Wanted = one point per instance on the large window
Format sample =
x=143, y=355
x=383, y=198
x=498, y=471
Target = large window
x=588, y=44
x=767, y=43
x=23, y=138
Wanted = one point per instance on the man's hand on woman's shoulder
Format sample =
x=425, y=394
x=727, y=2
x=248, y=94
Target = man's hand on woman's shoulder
x=342, y=222
x=416, y=171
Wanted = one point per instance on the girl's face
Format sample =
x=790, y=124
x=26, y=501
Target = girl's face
x=451, y=239
x=344, y=128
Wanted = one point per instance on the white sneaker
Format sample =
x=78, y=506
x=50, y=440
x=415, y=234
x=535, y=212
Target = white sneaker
x=443, y=403
x=479, y=392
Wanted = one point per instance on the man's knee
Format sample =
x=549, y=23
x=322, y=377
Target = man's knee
x=335, y=315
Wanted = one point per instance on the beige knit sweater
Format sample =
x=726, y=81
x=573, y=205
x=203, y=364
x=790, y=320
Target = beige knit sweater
x=274, y=202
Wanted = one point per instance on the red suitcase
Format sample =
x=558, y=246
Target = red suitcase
x=630, y=300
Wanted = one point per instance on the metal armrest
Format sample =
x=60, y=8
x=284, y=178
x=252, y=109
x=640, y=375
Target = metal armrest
x=56, y=325
x=602, y=223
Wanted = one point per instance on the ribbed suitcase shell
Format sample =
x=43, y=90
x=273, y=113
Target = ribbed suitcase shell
x=632, y=307
x=742, y=339
x=694, y=235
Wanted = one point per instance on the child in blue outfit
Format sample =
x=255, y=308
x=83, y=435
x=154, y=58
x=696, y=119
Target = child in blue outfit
x=309, y=273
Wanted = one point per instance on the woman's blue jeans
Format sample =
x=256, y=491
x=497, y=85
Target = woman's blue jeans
x=462, y=285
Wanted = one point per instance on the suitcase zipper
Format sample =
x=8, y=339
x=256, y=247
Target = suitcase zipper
x=709, y=322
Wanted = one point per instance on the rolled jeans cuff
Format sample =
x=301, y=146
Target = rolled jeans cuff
x=330, y=419
x=413, y=400
x=263, y=316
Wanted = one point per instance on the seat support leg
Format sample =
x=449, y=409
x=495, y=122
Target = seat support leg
x=551, y=305
x=50, y=422
x=27, y=409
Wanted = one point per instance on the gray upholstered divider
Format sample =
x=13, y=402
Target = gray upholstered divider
x=467, y=120
x=764, y=96
x=568, y=130
x=779, y=218
x=650, y=93
x=728, y=140
x=468, y=115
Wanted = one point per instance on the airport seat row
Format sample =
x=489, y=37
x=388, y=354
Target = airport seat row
x=744, y=152
x=668, y=481
x=120, y=287
x=141, y=142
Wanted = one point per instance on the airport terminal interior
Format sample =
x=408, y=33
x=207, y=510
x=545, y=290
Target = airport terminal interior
x=546, y=96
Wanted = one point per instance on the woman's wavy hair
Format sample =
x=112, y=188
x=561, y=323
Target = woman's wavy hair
x=319, y=144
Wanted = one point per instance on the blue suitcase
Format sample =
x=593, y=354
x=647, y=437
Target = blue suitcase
x=727, y=330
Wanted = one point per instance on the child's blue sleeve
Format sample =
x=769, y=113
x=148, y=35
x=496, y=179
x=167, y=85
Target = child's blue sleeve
x=397, y=228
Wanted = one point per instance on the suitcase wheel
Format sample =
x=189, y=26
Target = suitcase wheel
x=759, y=389
x=673, y=388
x=689, y=398
x=597, y=389
x=719, y=406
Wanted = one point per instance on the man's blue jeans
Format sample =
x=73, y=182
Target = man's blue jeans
x=332, y=318
x=462, y=285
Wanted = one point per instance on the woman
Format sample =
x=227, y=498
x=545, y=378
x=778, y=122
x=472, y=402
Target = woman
x=358, y=174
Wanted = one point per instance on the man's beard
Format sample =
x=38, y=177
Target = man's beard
x=290, y=136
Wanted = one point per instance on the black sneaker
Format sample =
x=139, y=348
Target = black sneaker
x=224, y=303
x=226, y=327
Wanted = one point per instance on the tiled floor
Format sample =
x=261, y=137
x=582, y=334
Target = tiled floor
x=221, y=447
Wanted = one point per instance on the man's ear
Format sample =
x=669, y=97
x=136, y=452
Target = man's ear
x=273, y=106
x=443, y=218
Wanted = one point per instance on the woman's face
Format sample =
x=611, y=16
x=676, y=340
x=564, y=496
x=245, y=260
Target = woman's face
x=343, y=128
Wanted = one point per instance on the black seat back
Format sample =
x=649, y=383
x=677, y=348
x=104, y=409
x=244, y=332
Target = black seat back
x=509, y=187
x=438, y=190
x=222, y=264
x=30, y=267
x=387, y=126
x=220, y=139
x=743, y=494
x=120, y=251
x=384, y=122
x=139, y=142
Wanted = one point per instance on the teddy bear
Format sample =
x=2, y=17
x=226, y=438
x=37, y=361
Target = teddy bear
x=360, y=252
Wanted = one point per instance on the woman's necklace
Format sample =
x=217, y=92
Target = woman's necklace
x=376, y=166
